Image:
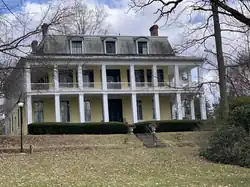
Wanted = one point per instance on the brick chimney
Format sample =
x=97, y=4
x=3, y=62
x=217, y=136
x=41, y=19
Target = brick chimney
x=154, y=30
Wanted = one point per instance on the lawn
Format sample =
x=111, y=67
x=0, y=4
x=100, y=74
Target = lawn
x=133, y=167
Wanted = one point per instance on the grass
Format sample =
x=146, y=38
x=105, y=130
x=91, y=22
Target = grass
x=172, y=166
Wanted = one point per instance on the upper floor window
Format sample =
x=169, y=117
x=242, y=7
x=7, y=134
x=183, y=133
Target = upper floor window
x=76, y=47
x=110, y=47
x=142, y=47
x=66, y=78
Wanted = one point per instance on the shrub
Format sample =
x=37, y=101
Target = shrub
x=77, y=128
x=243, y=152
x=238, y=101
x=168, y=125
x=240, y=116
x=222, y=146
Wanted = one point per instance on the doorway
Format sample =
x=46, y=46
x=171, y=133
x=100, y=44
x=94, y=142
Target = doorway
x=115, y=110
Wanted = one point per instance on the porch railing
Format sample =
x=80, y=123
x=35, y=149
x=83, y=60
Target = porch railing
x=68, y=85
x=41, y=86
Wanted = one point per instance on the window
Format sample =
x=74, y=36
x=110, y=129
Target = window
x=142, y=48
x=12, y=123
x=160, y=77
x=153, y=108
x=139, y=110
x=139, y=77
x=65, y=112
x=38, y=112
x=88, y=78
x=66, y=78
x=110, y=47
x=87, y=110
x=15, y=122
x=76, y=47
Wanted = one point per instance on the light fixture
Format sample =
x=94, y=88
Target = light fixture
x=20, y=104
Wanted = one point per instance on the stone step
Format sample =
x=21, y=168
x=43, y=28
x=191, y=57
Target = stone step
x=150, y=140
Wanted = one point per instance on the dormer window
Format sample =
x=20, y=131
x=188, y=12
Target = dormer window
x=142, y=47
x=76, y=47
x=110, y=47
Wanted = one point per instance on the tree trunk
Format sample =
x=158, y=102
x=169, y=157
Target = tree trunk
x=224, y=107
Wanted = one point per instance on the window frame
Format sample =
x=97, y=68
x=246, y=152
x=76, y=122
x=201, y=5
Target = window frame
x=105, y=46
x=144, y=39
x=38, y=111
x=139, y=112
x=76, y=40
x=85, y=111
x=68, y=111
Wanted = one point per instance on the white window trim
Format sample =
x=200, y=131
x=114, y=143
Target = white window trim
x=109, y=40
x=70, y=45
x=142, y=40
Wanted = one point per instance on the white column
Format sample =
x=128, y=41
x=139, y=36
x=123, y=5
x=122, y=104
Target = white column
x=79, y=74
x=179, y=106
x=56, y=78
x=81, y=108
x=28, y=77
x=29, y=109
x=132, y=76
x=183, y=109
x=176, y=76
x=155, y=79
x=134, y=108
x=199, y=74
x=57, y=108
x=105, y=108
x=189, y=75
x=203, y=107
x=192, y=110
x=104, y=77
x=157, y=107
x=173, y=111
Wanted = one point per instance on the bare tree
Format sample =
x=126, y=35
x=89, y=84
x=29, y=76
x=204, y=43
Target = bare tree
x=236, y=13
x=84, y=20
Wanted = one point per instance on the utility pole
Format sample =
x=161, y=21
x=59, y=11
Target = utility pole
x=224, y=107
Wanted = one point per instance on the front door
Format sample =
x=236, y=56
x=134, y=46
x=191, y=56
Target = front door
x=115, y=110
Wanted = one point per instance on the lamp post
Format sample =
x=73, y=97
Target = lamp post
x=20, y=105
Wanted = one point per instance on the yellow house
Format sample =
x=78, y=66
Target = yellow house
x=101, y=78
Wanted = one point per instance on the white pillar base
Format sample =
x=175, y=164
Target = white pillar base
x=57, y=108
x=81, y=108
x=134, y=108
x=157, y=107
x=105, y=108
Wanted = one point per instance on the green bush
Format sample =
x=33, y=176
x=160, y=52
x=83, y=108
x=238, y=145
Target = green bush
x=238, y=101
x=77, y=128
x=168, y=125
x=240, y=116
x=224, y=144
x=243, y=152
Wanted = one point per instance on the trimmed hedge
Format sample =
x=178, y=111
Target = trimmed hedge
x=111, y=127
x=77, y=128
x=169, y=125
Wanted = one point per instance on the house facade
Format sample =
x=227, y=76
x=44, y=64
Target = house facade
x=102, y=78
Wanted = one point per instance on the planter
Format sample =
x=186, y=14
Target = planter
x=131, y=129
